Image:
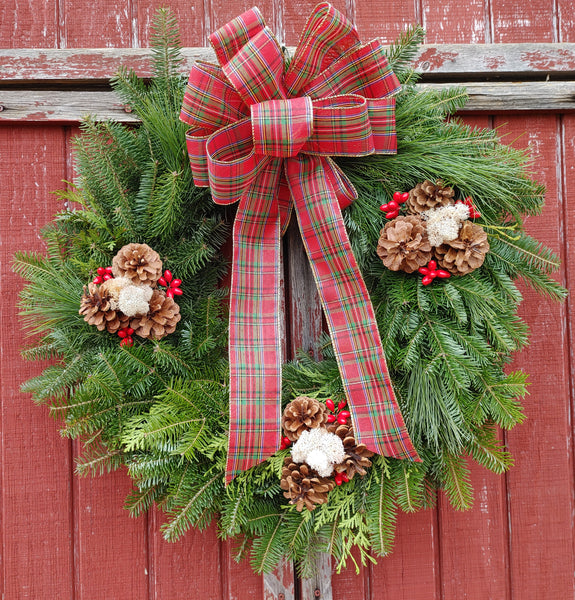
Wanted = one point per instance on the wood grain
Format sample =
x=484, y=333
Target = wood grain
x=540, y=486
x=25, y=24
x=515, y=21
x=36, y=486
x=453, y=21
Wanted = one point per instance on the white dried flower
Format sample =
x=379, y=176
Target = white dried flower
x=443, y=223
x=319, y=449
x=134, y=300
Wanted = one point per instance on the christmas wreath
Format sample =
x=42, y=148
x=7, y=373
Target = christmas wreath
x=129, y=304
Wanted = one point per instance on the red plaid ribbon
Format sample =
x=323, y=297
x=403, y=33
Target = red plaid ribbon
x=261, y=135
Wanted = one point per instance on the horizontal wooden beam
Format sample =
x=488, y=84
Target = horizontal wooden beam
x=519, y=61
x=73, y=106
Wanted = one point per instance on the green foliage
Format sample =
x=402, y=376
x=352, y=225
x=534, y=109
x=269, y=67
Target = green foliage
x=161, y=407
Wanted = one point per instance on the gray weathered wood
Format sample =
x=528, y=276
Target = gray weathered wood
x=73, y=106
x=319, y=586
x=280, y=584
x=446, y=60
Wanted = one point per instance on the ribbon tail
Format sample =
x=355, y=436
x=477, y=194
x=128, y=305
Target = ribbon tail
x=255, y=334
x=376, y=417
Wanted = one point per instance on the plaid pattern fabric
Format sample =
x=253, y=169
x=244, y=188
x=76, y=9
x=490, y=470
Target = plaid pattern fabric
x=333, y=99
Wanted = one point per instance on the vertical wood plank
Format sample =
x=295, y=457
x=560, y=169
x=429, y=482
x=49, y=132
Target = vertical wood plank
x=455, y=22
x=111, y=551
x=412, y=570
x=189, y=566
x=540, y=486
x=191, y=18
x=565, y=21
x=239, y=581
x=25, y=24
x=35, y=496
x=524, y=22
x=108, y=25
x=385, y=20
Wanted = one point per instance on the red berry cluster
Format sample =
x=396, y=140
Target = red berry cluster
x=286, y=443
x=126, y=334
x=104, y=273
x=431, y=272
x=473, y=212
x=341, y=416
x=173, y=285
x=392, y=208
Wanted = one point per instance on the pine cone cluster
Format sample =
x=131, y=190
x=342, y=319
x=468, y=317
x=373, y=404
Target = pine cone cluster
x=131, y=299
x=428, y=195
x=303, y=486
x=302, y=414
x=465, y=253
x=139, y=263
x=435, y=228
x=403, y=244
x=99, y=309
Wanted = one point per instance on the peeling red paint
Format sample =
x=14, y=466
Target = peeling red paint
x=433, y=59
x=493, y=63
x=555, y=60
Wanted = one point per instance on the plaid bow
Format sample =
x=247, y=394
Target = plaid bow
x=262, y=132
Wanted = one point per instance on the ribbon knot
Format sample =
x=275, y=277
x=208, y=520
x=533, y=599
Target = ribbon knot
x=262, y=134
x=281, y=127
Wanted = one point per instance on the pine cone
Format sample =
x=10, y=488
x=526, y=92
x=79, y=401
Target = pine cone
x=403, y=244
x=303, y=486
x=99, y=309
x=427, y=195
x=465, y=253
x=139, y=263
x=356, y=455
x=302, y=414
x=161, y=320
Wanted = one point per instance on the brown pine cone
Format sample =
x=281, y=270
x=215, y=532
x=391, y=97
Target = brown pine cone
x=161, y=320
x=428, y=195
x=356, y=455
x=301, y=414
x=139, y=263
x=465, y=253
x=99, y=309
x=303, y=486
x=403, y=244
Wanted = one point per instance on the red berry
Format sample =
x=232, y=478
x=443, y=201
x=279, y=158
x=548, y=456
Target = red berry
x=432, y=265
x=404, y=196
x=176, y=291
x=330, y=418
x=341, y=404
x=329, y=403
x=397, y=196
x=392, y=214
x=101, y=270
x=129, y=331
x=162, y=281
x=433, y=274
x=341, y=420
x=423, y=270
x=176, y=283
x=128, y=341
x=383, y=207
x=107, y=277
x=97, y=280
x=170, y=292
x=393, y=205
x=286, y=441
x=109, y=270
x=168, y=275
x=443, y=274
x=338, y=479
x=123, y=333
x=426, y=280
x=344, y=477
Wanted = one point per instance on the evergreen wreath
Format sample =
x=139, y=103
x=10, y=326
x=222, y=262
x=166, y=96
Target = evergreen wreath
x=160, y=405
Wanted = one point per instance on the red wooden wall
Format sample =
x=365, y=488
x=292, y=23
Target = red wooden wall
x=68, y=538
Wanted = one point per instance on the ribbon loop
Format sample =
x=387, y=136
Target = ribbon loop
x=281, y=127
